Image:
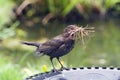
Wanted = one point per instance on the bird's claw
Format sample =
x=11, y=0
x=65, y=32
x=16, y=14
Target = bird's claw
x=54, y=70
x=64, y=68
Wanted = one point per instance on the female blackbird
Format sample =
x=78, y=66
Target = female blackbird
x=59, y=45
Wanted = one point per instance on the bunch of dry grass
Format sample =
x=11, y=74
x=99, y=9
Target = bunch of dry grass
x=81, y=33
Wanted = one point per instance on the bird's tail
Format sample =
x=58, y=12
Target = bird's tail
x=31, y=43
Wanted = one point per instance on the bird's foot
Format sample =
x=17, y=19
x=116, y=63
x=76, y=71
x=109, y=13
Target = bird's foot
x=54, y=70
x=64, y=68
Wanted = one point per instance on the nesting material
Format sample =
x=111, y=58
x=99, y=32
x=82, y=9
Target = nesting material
x=81, y=33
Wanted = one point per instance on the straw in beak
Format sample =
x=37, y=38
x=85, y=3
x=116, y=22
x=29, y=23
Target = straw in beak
x=81, y=32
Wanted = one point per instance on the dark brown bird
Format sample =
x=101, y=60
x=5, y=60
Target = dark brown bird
x=58, y=46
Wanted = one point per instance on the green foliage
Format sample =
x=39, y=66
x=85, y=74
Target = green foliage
x=5, y=11
x=110, y=3
x=6, y=7
x=69, y=6
x=8, y=32
x=9, y=71
x=65, y=6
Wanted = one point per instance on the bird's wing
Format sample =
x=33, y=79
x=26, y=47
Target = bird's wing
x=52, y=44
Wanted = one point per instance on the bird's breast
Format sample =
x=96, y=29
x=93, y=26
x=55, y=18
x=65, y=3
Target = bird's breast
x=64, y=49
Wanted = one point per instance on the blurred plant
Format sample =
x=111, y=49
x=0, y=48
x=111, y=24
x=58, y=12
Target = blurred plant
x=6, y=15
x=9, y=71
x=8, y=32
x=110, y=3
x=61, y=8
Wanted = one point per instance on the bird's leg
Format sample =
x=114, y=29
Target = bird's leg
x=60, y=62
x=53, y=64
x=62, y=67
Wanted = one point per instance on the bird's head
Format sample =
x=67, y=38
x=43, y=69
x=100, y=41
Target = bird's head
x=69, y=28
